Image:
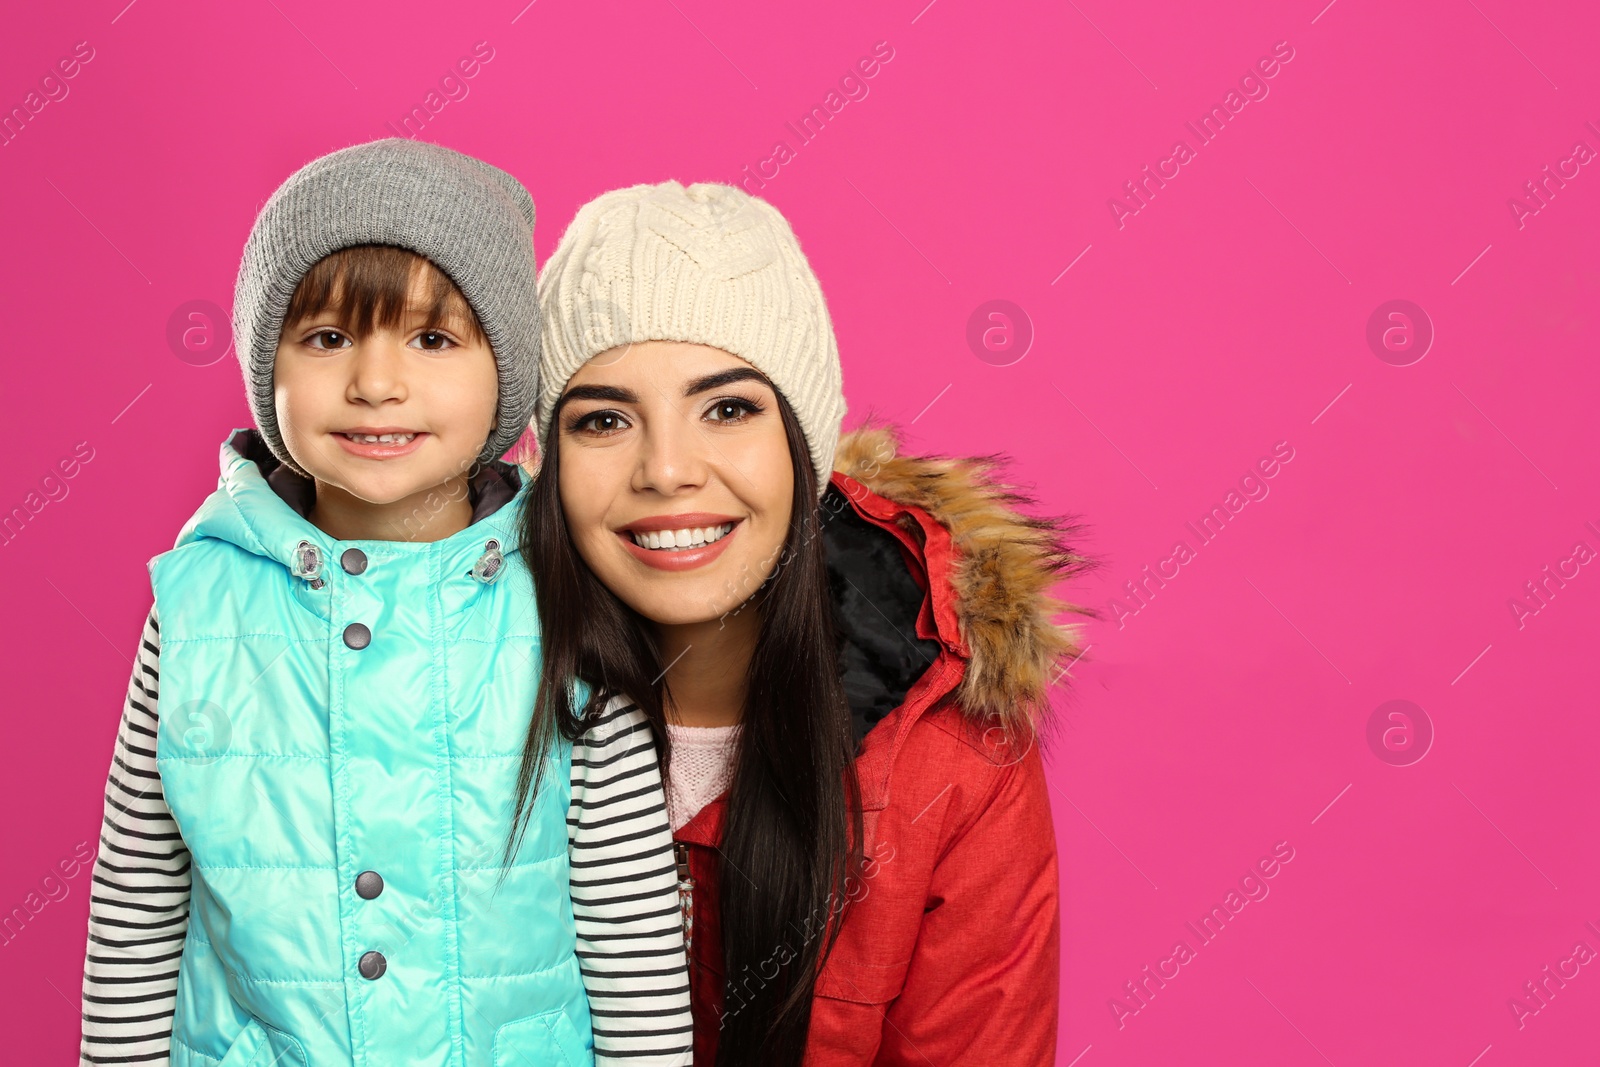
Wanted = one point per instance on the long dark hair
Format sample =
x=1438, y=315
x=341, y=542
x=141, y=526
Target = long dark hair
x=793, y=829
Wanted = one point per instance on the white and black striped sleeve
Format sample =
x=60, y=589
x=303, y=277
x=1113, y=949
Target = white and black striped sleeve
x=139, y=905
x=625, y=895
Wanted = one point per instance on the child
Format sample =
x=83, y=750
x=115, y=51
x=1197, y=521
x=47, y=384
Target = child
x=302, y=855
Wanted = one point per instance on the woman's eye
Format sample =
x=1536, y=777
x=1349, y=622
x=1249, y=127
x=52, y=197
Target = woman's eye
x=433, y=341
x=327, y=340
x=731, y=410
x=601, y=423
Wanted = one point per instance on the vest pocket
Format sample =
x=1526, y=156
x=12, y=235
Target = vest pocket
x=259, y=1045
x=549, y=1038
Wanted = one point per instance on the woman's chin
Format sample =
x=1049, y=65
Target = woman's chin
x=685, y=608
x=679, y=600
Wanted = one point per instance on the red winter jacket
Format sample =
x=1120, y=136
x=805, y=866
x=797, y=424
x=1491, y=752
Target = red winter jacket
x=948, y=953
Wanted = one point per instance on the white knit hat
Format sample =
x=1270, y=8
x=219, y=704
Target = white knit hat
x=708, y=264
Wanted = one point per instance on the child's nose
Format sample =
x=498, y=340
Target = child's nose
x=377, y=372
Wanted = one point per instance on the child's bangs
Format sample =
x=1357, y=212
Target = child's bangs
x=366, y=287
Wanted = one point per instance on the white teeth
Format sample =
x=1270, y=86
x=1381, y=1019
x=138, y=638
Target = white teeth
x=381, y=438
x=692, y=537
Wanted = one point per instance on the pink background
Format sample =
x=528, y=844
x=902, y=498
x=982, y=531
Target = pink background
x=1230, y=712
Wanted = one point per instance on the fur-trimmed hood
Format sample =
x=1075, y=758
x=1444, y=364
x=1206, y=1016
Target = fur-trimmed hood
x=1001, y=565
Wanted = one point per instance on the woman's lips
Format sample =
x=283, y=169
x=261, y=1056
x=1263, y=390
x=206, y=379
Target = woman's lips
x=380, y=449
x=679, y=559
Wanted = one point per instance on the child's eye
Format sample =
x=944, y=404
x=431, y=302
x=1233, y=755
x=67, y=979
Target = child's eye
x=433, y=341
x=732, y=409
x=599, y=424
x=327, y=340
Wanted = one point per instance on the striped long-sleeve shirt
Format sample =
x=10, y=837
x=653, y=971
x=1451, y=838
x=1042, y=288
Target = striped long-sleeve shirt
x=624, y=894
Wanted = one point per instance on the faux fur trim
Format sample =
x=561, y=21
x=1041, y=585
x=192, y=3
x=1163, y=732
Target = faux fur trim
x=1007, y=564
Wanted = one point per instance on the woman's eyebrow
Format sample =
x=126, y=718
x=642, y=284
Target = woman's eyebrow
x=614, y=394
x=726, y=377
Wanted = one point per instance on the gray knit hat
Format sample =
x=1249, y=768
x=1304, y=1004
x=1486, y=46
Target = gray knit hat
x=708, y=264
x=472, y=220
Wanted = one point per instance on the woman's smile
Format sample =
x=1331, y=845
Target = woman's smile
x=671, y=543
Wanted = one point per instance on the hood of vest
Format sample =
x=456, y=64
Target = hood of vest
x=246, y=510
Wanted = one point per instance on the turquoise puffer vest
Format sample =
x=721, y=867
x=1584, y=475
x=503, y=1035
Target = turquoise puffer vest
x=340, y=729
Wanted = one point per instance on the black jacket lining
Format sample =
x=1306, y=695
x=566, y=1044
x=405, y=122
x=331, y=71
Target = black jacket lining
x=875, y=606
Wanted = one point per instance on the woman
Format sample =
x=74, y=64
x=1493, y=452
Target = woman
x=843, y=649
